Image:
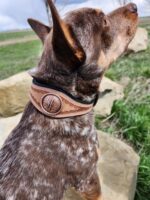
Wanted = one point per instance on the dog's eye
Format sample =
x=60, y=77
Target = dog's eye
x=91, y=72
x=106, y=23
x=129, y=31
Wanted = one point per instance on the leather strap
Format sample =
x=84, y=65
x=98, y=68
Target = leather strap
x=56, y=104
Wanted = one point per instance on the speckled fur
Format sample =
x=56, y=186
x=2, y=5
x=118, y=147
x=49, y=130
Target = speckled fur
x=41, y=164
x=42, y=157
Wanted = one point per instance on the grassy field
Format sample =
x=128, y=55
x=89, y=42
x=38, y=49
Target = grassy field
x=15, y=35
x=18, y=57
x=130, y=117
x=145, y=20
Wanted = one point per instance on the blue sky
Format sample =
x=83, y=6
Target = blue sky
x=14, y=13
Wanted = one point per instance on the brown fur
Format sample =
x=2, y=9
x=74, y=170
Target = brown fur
x=42, y=157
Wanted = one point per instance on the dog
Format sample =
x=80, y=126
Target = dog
x=55, y=144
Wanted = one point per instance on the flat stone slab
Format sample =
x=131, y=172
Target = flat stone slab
x=7, y=125
x=14, y=93
x=105, y=103
x=140, y=41
x=118, y=164
x=117, y=167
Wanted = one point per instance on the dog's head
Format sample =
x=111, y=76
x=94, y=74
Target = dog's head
x=78, y=48
x=123, y=25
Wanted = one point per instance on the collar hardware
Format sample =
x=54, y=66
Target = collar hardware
x=51, y=104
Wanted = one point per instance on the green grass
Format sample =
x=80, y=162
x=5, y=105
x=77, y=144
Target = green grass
x=18, y=57
x=15, y=35
x=144, y=20
x=130, y=117
x=132, y=122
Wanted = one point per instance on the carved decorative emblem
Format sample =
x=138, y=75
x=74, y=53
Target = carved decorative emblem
x=51, y=104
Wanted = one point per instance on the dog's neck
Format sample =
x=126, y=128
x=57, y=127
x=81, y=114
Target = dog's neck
x=75, y=85
x=81, y=81
x=57, y=103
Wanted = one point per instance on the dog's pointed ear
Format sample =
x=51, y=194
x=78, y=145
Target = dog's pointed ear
x=39, y=28
x=65, y=44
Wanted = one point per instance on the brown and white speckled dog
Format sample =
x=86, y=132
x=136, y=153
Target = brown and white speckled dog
x=44, y=156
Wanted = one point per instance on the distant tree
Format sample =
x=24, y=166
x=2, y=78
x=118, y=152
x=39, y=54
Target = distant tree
x=148, y=2
x=48, y=10
x=123, y=2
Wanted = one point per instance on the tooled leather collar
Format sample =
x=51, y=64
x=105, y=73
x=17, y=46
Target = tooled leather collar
x=57, y=103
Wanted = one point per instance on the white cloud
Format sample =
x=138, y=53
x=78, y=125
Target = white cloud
x=14, y=14
x=7, y=23
x=109, y=5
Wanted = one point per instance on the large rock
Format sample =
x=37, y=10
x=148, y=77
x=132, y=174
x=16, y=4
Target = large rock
x=140, y=41
x=14, y=94
x=118, y=165
x=118, y=168
x=105, y=103
x=7, y=125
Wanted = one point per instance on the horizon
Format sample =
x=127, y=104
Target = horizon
x=14, y=16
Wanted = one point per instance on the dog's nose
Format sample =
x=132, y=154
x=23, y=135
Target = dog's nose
x=133, y=8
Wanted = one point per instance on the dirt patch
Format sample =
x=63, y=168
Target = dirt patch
x=16, y=41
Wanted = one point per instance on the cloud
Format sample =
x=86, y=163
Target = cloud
x=7, y=23
x=14, y=14
x=106, y=5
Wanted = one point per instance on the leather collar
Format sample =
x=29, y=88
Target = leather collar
x=57, y=103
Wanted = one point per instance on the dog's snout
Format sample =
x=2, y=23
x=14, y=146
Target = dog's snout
x=133, y=8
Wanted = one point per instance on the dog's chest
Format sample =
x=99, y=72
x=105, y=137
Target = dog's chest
x=79, y=153
x=69, y=154
x=50, y=154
